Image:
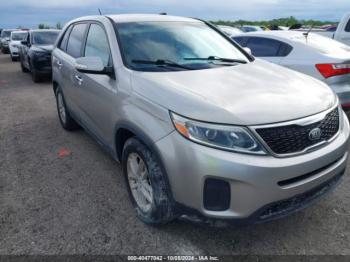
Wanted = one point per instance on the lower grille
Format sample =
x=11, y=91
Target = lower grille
x=295, y=138
x=294, y=204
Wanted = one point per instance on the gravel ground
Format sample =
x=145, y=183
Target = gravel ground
x=76, y=203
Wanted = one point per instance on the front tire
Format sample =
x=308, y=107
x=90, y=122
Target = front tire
x=67, y=122
x=147, y=184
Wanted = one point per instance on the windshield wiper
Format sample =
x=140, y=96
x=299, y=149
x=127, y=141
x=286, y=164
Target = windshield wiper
x=161, y=62
x=216, y=58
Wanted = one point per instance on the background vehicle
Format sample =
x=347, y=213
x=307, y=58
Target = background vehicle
x=188, y=114
x=35, y=52
x=340, y=33
x=15, y=42
x=229, y=30
x=251, y=28
x=5, y=40
x=315, y=55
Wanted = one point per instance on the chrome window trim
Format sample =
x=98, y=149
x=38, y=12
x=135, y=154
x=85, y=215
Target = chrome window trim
x=300, y=122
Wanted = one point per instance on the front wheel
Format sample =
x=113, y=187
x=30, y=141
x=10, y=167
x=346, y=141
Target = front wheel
x=147, y=184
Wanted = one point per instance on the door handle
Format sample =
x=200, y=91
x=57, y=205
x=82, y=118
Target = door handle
x=59, y=64
x=79, y=79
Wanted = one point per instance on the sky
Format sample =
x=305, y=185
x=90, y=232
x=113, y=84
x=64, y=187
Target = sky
x=30, y=13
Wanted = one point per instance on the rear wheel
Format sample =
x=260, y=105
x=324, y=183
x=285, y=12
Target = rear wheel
x=24, y=69
x=67, y=122
x=147, y=184
x=35, y=76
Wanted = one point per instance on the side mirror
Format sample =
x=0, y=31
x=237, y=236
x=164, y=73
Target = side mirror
x=247, y=49
x=24, y=42
x=92, y=65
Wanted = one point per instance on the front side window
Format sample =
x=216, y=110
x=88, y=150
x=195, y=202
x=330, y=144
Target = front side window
x=45, y=37
x=188, y=44
x=75, y=40
x=97, y=44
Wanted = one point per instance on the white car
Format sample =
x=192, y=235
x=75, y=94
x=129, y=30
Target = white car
x=312, y=54
x=15, y=42
x=341, y=33
x=229, y=30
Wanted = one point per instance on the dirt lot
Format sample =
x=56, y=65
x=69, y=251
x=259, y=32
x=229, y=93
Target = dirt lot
x=78, y=204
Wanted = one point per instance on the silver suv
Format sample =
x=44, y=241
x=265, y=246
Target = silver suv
x=202, y=129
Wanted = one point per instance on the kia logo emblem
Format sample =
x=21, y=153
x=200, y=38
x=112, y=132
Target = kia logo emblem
x=315, y=134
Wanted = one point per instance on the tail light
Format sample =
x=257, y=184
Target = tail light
x=329, y=70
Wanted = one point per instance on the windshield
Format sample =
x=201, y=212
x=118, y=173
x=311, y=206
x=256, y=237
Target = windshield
x=187, y=44
x=19, y=36
x=45, y=38
x=5, y=33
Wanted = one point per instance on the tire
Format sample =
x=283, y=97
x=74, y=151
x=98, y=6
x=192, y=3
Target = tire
x=24, y=69
x=160, y=209
x=13, y=58
x=35, y=75
x=67, y=122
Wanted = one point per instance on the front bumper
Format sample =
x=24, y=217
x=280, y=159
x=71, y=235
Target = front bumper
x=254, y=180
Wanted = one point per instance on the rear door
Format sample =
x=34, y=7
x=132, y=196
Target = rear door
x=66, y=64
x=97, y=92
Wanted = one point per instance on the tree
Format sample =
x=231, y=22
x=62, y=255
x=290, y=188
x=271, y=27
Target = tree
x=41, y=26
x=58, y=25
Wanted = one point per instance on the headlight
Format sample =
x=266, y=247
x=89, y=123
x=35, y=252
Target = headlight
x=232, y=138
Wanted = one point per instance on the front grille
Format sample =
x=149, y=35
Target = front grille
x=295, y=138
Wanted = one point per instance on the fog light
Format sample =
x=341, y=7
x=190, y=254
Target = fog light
x=217, y=194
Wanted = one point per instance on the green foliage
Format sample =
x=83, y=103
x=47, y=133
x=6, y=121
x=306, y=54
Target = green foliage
x=280, y=21
x=43, y=26
x=59, y=25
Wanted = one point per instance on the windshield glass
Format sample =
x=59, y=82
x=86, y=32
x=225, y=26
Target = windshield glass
x=45, y=38
x=5, y=33
x=19, y=36
x=184, y=43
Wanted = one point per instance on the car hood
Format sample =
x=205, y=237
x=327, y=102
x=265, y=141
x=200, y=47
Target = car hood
x=42, y=48
x=247, y=94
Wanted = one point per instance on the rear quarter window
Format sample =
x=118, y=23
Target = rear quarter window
x=347, y=27
x=64, y=39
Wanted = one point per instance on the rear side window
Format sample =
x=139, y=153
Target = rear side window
x=64, y=40
x=75, y=40
x=97, y=44
x=264, y=47
x=347, y=28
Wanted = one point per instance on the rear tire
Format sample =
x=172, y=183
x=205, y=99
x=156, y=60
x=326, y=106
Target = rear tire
x=35, y=76
x=67, y=122
x=148, y=187
x=24, y=69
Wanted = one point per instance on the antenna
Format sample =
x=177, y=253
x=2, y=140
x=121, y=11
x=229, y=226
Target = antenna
x=99, y=10
x=308, y=32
